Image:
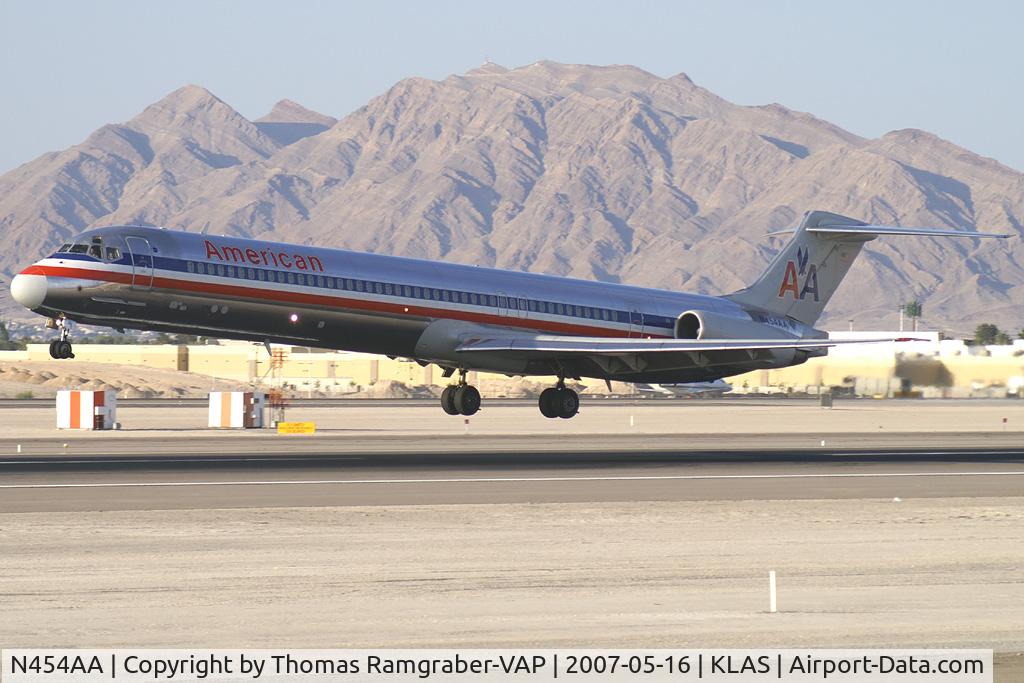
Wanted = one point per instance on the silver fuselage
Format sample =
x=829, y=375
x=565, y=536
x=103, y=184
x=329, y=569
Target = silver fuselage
x=236, y=288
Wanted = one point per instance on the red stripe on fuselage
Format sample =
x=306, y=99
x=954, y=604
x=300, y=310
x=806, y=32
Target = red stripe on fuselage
x=332, y=301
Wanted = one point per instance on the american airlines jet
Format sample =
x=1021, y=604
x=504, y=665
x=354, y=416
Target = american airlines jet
x=458, y=317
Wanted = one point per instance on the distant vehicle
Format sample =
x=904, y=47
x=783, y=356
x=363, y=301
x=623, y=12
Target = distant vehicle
x=458, y=317
x=708, y=389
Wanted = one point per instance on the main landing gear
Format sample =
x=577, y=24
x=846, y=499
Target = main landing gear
x=460, y=399
x=559, y=401
x=61, y=348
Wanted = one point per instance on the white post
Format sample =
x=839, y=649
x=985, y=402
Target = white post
x=771, y=592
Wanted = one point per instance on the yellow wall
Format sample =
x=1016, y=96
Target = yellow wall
x=248, y=362
x=968, y=370
x=819, y=372
x=163, y=356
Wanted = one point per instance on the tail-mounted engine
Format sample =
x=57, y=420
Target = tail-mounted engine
x=708, y=325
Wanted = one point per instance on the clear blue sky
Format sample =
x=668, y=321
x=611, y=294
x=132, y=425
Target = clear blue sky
x=953, y=68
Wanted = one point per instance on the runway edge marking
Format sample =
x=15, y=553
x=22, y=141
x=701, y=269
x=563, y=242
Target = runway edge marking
x=494, y=480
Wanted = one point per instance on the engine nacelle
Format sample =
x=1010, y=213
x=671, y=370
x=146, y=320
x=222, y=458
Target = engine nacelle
x=708, y=325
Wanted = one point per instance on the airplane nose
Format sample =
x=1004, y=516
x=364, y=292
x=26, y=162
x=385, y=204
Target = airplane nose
x=29, y=290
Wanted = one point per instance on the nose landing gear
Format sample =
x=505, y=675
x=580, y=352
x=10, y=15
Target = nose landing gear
x=460, y=399
x=559, y=401
x=61, y=348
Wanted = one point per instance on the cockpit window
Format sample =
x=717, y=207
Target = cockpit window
x=96, y=251
x=65, y=247
x=79, y=248
x=113, y=254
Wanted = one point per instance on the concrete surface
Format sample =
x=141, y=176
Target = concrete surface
x=613, y=544
x=142, y=482
x=924, y=572
x=518, y=426
x=596, y=417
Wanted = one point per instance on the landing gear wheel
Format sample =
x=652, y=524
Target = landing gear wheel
x=568, y=402
x=63, y=349
x=448, y=401
x=53, y=348
x=548, y=402
x=467, y=399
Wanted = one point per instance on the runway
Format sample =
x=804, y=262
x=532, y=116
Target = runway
x=139, y=481
x=889, y=524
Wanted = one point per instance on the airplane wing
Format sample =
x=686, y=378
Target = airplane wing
x=561, y=346
x=637, y=356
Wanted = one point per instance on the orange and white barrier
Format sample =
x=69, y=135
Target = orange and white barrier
x=86, y=409
x=237, y=409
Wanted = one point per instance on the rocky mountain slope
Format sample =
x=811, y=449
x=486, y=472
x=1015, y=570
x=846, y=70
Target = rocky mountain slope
x=595, y=172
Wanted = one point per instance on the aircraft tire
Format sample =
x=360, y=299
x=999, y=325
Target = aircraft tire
x=53, y=348
x=467, y=399
x=64, y=350
x=568, y=403
x=448, y=401
x=548, y=402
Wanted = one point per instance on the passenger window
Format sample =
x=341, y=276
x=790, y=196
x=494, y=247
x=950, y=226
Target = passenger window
x=474, y=299
x=220, y=271
x=445, y=294
x=190, y=267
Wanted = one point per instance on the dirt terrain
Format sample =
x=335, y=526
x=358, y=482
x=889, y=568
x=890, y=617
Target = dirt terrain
x=40, y=379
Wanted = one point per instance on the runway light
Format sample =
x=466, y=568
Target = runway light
x=294, y=317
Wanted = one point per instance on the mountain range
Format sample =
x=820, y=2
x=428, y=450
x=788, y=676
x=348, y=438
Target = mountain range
x=604, y=172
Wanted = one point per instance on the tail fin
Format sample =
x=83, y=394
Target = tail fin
x=808, y=270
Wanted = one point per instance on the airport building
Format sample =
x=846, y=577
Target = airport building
x=932, y=368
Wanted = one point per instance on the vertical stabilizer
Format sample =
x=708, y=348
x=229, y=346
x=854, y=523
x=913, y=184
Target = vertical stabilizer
x=808, y=270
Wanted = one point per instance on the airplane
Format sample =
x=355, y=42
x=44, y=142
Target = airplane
x=712, y=389
x=458, y=317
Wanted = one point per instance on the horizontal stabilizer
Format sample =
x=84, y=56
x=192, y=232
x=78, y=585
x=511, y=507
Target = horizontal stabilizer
x=891, y=230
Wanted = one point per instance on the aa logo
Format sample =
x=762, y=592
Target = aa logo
x=791, y=280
